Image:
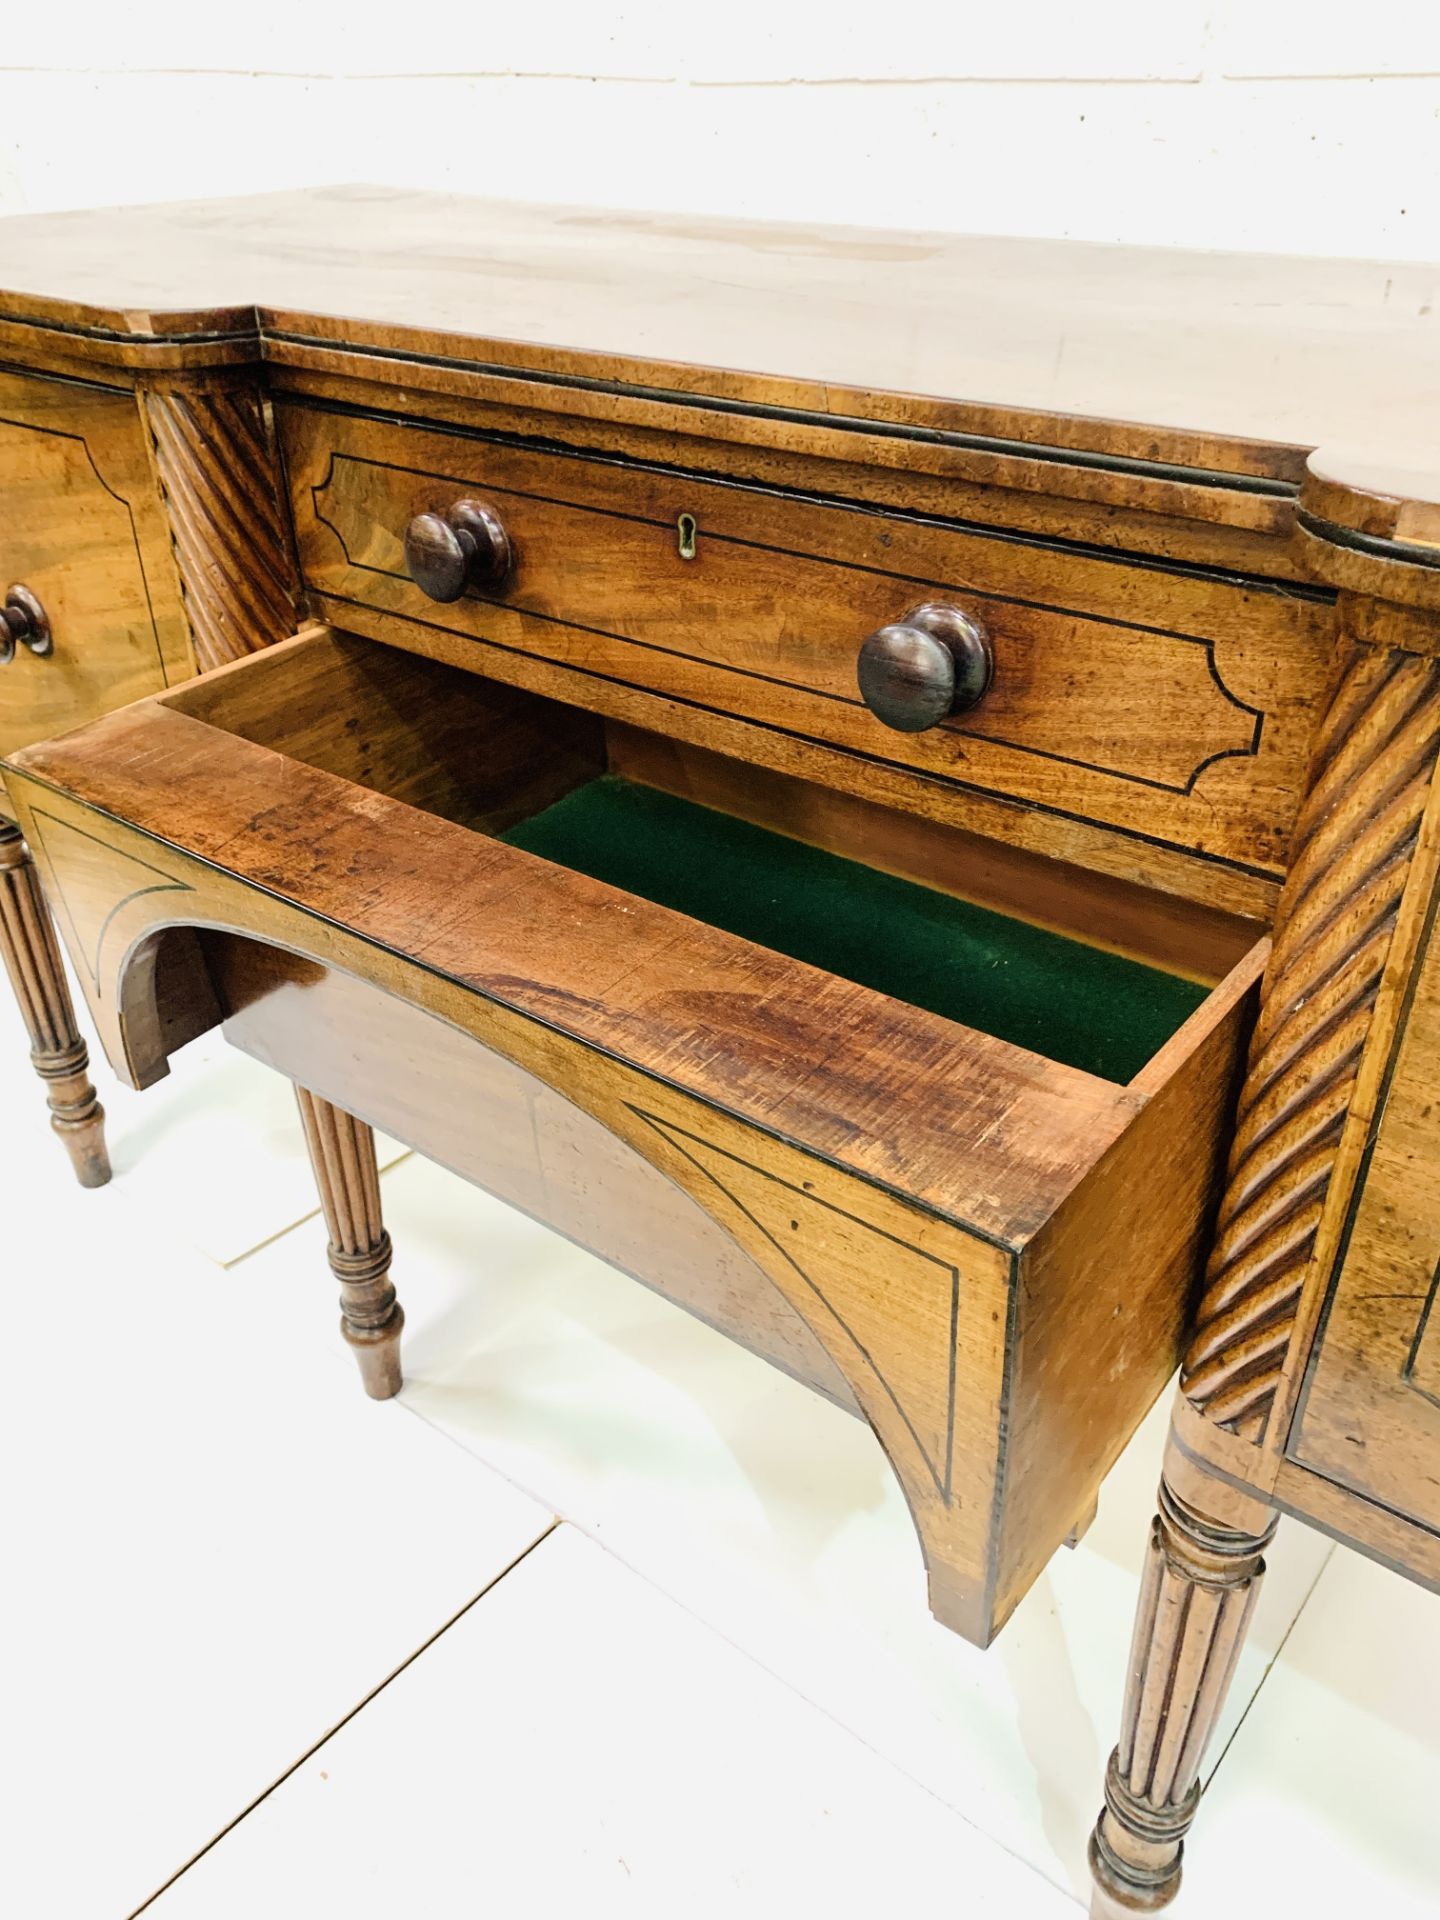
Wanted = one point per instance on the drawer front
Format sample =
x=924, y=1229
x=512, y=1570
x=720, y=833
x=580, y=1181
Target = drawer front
x=1371, y=1416
x=1172, y=707
x=81, y=528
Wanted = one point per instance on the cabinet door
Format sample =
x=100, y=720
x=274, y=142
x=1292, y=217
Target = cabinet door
x=82, y=528
x=1371, y=1419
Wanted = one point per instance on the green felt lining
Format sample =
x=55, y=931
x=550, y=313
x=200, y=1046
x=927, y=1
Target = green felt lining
x=1072, y=1003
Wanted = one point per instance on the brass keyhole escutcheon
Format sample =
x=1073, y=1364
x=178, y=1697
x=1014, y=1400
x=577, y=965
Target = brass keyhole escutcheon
x=686, y=531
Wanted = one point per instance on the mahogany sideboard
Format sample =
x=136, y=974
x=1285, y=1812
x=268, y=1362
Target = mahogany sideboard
x=882, y=782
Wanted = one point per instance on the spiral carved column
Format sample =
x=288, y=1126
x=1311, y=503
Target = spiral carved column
x=58, y=1054
x=342, y=1153
x=1333, y=931
x=1198, y=1590
x=219, y=470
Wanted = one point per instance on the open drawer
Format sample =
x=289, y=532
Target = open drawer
x=972, y=1153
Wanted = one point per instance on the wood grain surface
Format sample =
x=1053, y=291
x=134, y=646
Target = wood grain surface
x=1213, y=350
x=904, y=1094
x=83, y=530
x=1176, y=709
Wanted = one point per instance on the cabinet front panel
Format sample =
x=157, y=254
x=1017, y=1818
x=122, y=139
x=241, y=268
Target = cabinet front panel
x=1371, y=1419
x=81, y=528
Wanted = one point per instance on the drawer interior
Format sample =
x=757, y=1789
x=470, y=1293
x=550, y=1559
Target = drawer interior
x=1081, y=1005
x=560, y=783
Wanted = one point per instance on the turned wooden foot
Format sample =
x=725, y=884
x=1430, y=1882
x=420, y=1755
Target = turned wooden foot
x=1202, y=1575
x=58, y=1054
x=342, y=1152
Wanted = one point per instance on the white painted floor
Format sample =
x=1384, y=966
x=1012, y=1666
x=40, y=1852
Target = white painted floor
x=601, y=1616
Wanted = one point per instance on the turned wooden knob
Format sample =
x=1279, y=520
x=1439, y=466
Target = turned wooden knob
x=466, y=546
x=23, y=618
x=934, y=662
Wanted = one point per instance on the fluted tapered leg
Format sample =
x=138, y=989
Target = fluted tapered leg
x=1198, y=1591
x=58, y=1054
x=342, y=1152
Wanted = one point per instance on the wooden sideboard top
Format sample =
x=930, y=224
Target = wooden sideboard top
x=1149, y=354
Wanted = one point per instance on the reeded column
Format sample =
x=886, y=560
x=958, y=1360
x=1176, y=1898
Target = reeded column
x=58, y=1054
x=342, y=1153
x=1199, y=1589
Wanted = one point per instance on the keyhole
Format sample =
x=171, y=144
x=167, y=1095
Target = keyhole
x=686, y=529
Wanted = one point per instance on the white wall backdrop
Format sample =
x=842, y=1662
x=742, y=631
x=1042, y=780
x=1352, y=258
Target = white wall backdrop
x=1304, y=125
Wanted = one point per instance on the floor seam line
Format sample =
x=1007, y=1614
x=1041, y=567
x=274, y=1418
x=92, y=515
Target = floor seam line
x=280, y=1233
x=343, y=1721
x=270, y=1240
x=826, y=1713
x=1270, y=1666
x=433, y=1426
x=564, y=1519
